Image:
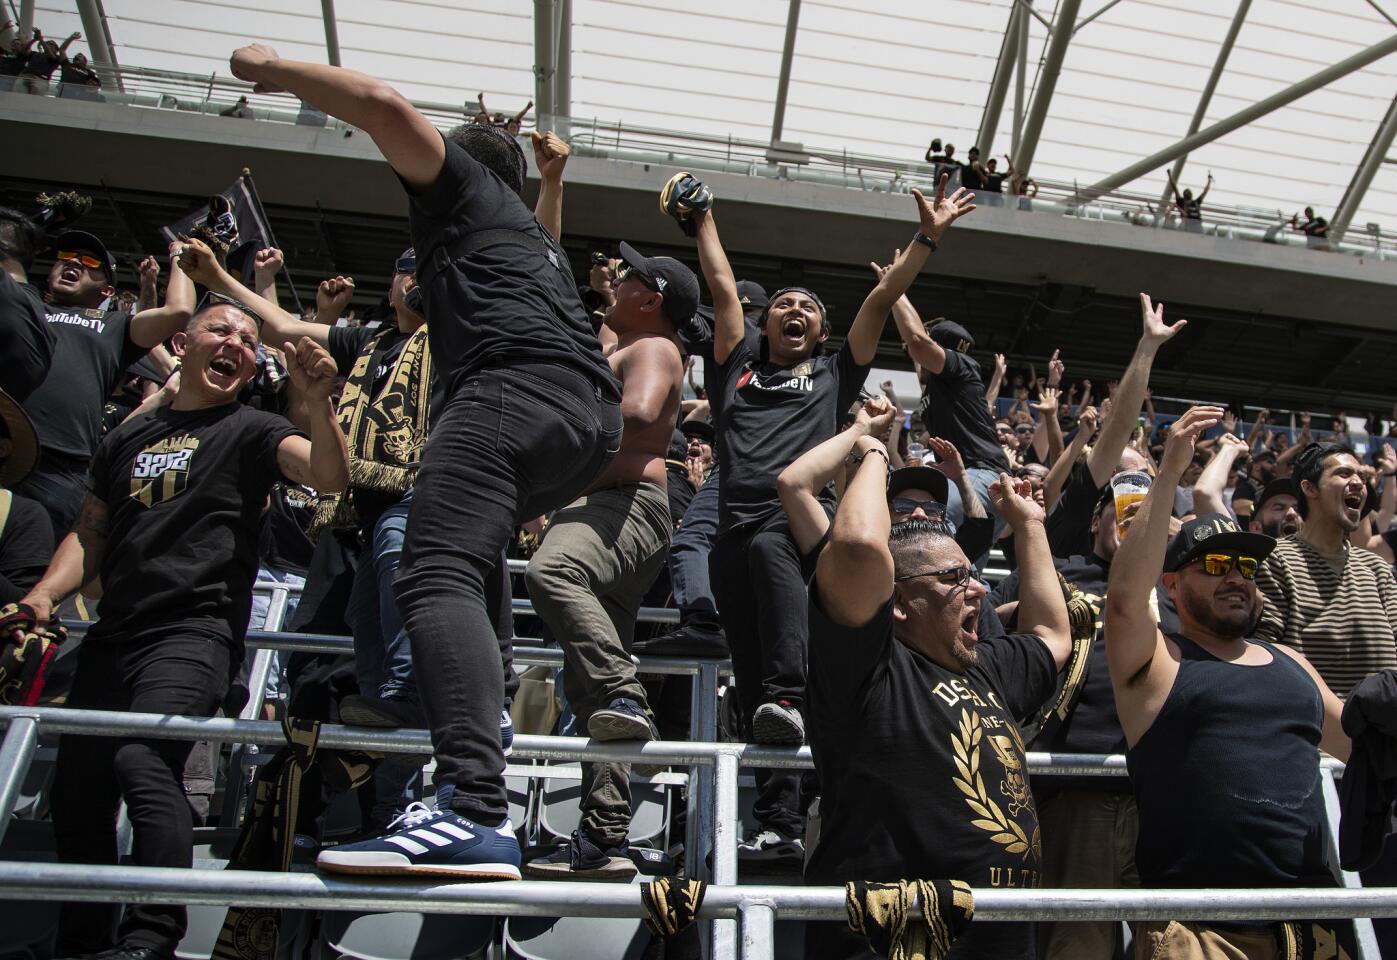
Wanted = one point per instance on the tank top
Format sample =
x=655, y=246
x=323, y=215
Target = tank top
x=1227, y=777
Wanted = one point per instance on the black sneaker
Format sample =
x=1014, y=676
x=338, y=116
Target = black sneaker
x=687, y=640
x=769, y=848
x=778, y=724
x=129, y=953
x=622, y=719
x=582, y=858
x=362, y=711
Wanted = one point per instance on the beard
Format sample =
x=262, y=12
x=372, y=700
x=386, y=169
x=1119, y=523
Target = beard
x=1233, y=625
x=1280, y=528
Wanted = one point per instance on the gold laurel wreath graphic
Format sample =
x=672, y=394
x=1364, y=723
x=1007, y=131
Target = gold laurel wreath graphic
x=989, y=816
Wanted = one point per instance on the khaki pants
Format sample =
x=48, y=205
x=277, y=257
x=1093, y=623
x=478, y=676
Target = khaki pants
x=1181, y=940
x=1088, y=843
x=598, y=557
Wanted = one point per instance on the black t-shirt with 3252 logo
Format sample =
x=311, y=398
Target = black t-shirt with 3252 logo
x=184, y=491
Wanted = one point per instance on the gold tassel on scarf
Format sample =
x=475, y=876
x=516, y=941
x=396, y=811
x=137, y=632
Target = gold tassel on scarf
x=881, y=912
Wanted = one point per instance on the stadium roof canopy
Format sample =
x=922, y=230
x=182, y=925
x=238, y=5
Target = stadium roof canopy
x=878, y=82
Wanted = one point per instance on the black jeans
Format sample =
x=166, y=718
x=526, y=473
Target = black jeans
x=181, y=669
x=759, y=584
x=510, y=444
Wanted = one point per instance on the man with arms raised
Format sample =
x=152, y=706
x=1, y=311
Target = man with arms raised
x=1222, y=730
x=528, y=417
x=914, y=717
x=601, y=553
x=170, y=525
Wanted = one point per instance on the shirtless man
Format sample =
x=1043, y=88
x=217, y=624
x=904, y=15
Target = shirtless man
x=602, y=552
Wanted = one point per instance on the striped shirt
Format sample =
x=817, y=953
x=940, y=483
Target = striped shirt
x=1339, y=610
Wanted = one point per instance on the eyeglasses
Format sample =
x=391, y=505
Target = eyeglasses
x=405, y=265
x=955, y=577
x=1220, y=565
x=626, y=270
x=1024, y=429
x=934, y=509
x=211, y=299
x=92, y=263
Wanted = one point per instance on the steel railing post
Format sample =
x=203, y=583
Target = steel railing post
x=725, y=766
x=757, y=921
x=16, y=751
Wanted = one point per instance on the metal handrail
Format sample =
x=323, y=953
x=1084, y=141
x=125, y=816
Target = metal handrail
x=158, y=88
x=24, y=880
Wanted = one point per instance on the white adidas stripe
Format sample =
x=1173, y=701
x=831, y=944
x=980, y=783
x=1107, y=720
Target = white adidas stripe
x=435, y=839
x=411, y=846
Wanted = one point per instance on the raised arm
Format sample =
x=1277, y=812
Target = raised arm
x=799, y=485
x=950, y=462
x=892, y=435
x=1142, y=671
x=267, y=263
x=1130, y=394
x=148, y=276
x=934, y=219
x=996, y=381
x=728, y=326
x=408, y=141
x=550, y=156
x=1042, y=611
x=1062, y=467
x=1206, y=187
x=855, y=570
x=322, y=462
x=63, y=47
x=1047, y=435
x=159, y=324
x=279, y=328
x=78, y=560
x=1207, y=492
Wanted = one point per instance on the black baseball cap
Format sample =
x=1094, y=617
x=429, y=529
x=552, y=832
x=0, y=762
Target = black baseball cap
x=701, y=429
x=82, y=240
x=1274, y=489
x=1214, y=533
x=930, y=479
x=752, y=296
x=675, y=282
x=952, y=336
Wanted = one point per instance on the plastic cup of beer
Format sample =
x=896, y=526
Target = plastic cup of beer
x=1129, y=487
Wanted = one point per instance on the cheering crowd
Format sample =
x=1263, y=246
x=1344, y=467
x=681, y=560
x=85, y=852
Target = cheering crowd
x=1179, y=590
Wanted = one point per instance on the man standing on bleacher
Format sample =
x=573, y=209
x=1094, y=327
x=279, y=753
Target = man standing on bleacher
x=170, y=526
x=527, y=415
x=914, y=717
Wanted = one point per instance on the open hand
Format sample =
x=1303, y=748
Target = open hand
x=1178, y=449
x=948, y=459
x=1046, y=404
x=937, y=215
x=551, y=154
x=1013, y=500
x=1156, y=331
x=311, y=368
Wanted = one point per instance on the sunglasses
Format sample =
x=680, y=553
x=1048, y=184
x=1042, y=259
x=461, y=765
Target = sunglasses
x=405, y=265
x=1024, y=429
x=955, y=577
x=626, y=270
x=211, y=299
x=934, y=509
x=91, y=262
x=1220, y=565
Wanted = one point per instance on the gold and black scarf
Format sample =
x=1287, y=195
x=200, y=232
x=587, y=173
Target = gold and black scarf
x=384, y=432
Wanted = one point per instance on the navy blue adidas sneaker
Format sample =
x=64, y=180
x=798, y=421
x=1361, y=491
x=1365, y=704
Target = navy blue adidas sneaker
x=427, y=842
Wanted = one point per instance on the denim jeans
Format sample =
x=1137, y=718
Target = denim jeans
x=510, y=443
x=688, y=555
x=980, y=479
x=382, y=654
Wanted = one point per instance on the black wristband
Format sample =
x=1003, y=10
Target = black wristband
x=923, y=238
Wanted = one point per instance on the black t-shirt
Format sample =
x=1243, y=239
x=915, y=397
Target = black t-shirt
x=184, y=492
x=283, y=543
x=1069, y=523
x=26, y=342
x=994, y=183
x=504, y=304
x=72, y=73
x=26, y=544
x=970, y=177
x=922, y=770
x=767, y=416
x=1191, y=208
x=11, y=65
x=953, y=408
x=92, y=349
x=40, y=64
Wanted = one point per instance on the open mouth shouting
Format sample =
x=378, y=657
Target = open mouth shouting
x=223, y=371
